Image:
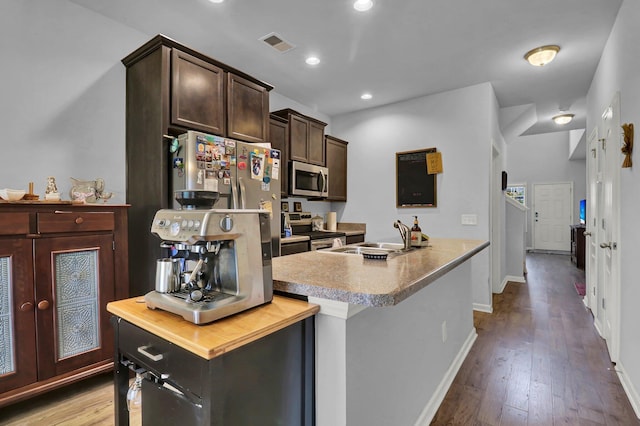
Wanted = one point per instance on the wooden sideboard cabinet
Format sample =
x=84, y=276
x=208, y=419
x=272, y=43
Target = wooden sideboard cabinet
x=306, y=137
x=578, y=245
x=337, y=165
x=60, y=264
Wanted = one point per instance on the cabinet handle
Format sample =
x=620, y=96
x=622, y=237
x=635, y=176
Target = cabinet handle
x=43, y=304
x=79, y=220
x=146, y=351
x=26, y=306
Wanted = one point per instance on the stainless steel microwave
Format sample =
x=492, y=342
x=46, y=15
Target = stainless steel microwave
x=308, y=180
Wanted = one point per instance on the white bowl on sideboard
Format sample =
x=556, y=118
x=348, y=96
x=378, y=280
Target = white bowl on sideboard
x=12, y=194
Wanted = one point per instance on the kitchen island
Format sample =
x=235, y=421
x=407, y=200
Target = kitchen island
x=391, y=334
x=249, y=368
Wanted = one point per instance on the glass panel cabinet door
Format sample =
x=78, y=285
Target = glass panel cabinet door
x=17, y=322
x=74, y=282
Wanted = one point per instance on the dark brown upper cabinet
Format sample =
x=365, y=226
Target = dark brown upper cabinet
x=337, y=165
x=247, y=109
x=197, y=94
x=306, y=137
x=279, y=138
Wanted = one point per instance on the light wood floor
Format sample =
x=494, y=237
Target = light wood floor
x=538, y=360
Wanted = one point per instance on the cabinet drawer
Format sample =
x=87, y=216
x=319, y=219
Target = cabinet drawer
x=75, y=221
x=14, y=223
x=179, y=366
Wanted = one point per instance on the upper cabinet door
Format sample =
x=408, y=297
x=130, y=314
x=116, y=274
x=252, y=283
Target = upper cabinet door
x=298, y=137
x=197, y=94
x=315, y=143
x=247, y=110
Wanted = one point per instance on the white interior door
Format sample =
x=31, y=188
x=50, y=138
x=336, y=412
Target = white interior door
x=594, y=180
x=552, y=216
x=608, y=271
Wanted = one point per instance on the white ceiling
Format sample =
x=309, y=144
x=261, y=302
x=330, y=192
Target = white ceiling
x=398, y=50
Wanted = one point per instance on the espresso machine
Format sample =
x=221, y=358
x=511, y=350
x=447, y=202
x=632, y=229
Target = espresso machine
x=219, y=263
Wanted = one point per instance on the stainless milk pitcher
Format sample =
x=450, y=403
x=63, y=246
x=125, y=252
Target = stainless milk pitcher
x=167, y=275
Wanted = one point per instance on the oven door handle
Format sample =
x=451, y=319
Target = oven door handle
x=321, y=245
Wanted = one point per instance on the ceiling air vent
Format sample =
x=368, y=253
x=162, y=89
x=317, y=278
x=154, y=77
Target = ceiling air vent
x=275, y=41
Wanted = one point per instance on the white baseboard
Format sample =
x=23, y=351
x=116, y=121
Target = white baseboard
x=514, y=278
x=483, y=308
x=430, y=410
x=630, y=390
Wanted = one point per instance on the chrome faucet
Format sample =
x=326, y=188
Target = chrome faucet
x=405, y=233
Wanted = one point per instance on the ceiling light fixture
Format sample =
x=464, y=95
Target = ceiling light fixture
x=312, y=60
x=366, y=96
x=216, y=1
x=541, y=56
x=563, y=119
x=363, y=5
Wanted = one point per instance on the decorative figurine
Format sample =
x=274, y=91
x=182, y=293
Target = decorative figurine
x=51, y=192
x=627, y=147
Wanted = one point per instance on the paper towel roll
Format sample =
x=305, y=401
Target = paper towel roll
x=331, y=221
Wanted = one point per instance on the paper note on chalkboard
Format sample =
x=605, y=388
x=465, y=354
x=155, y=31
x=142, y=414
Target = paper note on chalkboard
x=434, y=162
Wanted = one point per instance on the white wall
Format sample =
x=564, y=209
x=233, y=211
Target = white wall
x=458, y=124
x=544, y=159
x=62, y=96
x=618, y=71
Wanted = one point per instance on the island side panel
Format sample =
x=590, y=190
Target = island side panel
x=396, y=359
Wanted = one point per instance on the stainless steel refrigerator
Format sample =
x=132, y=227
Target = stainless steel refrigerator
x=246, y=175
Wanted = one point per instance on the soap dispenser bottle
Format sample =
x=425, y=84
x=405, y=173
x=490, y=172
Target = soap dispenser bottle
x=416, y=233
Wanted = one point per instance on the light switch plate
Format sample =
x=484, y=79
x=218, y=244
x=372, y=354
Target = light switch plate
x=469, y=219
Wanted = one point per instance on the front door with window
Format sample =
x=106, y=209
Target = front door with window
x=552, y=216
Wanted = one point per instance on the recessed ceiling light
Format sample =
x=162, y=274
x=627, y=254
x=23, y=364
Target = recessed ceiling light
x=563, y=118
x=312, y=60
x=216, y=1
x=363, y=5
x=366, y=96
x=541, y=56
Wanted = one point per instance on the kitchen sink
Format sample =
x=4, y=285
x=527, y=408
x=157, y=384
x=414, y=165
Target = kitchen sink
x=385, y=246
x=371, y=249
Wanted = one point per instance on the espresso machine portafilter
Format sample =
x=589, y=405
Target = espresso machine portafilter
x=225, y=262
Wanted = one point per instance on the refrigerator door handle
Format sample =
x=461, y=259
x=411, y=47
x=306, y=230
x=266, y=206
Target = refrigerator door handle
x=243, y=191
x=234, y=196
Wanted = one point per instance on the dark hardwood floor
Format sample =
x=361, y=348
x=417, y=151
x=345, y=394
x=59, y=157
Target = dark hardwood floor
x=538, y=359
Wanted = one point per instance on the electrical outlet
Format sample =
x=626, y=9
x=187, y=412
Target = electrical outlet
x=469, y=219
x=444, y=331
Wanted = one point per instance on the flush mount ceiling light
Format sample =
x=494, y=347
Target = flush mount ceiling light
x=563, y=118
x=216, y=1
x=363, y=5
x=366, y=96
x=541, y=56
x=312, y=60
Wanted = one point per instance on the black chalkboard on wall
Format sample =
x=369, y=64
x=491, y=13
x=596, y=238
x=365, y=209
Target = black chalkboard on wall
x=414, y=186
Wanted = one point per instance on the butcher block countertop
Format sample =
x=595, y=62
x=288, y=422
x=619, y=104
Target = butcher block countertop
x=211, y=340
x=351, y=278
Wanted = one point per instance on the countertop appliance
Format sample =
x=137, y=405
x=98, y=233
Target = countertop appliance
x=308, y=180
x=225, y=258
x=245, y=175
x=301, y=224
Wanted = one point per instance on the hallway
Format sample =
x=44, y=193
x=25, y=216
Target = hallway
x=538, y=359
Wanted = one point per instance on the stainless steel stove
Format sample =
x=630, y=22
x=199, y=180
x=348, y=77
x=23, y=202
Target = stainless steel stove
x=301, y=224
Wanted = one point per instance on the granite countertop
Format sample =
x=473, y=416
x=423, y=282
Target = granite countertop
x=353, y=279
